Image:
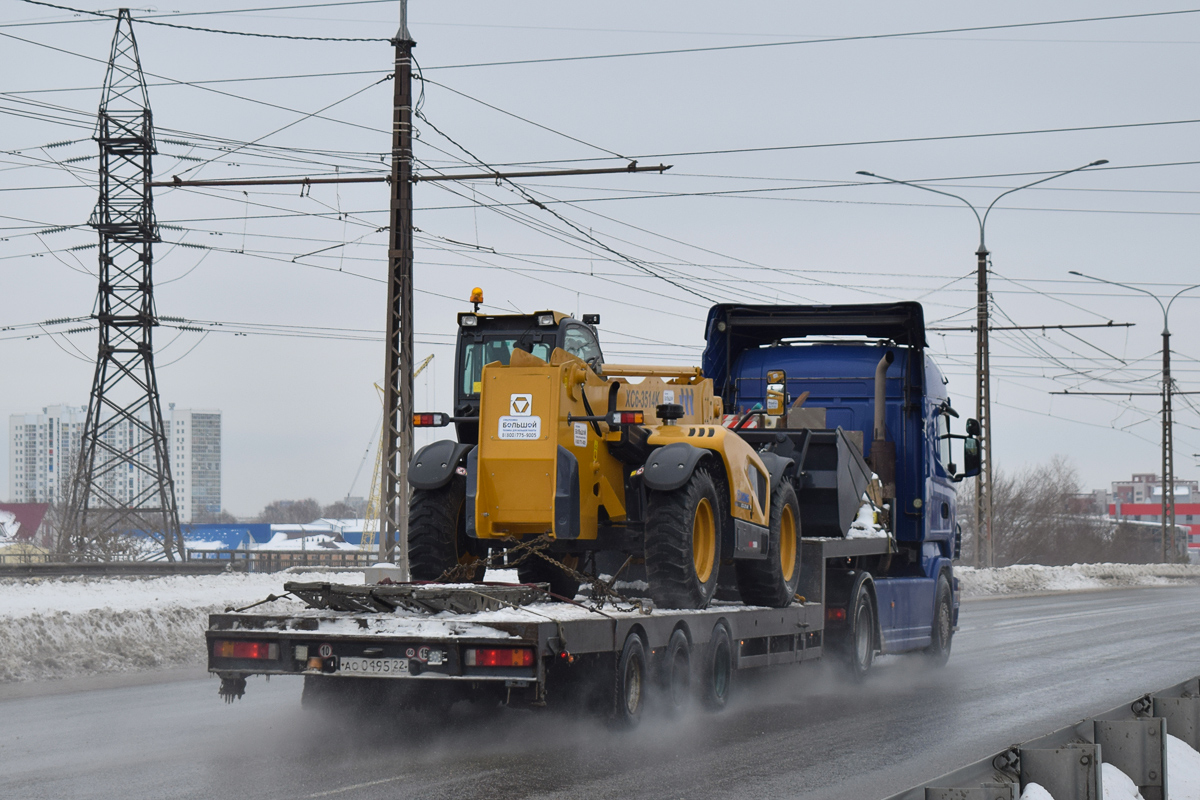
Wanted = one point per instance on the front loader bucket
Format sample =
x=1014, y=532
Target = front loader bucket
x=837, y=478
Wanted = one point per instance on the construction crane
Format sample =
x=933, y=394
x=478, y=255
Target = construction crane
x=372, y=514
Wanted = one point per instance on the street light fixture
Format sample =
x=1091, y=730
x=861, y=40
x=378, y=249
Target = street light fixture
x=983, y=396
x=1168, y=436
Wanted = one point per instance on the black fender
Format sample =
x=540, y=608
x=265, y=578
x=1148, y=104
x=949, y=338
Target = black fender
x=841, y=588
x=669, y=467
x=777, y=466
x=433, y=465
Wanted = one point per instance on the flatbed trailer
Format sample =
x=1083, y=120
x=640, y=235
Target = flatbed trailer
x=423, y=646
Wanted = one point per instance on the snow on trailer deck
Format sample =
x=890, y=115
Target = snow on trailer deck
x=427, y=630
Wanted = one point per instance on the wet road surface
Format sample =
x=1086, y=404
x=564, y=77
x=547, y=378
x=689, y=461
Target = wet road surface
x=1020, y=667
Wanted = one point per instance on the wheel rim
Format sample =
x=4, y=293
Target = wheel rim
x=943, y=625
x=704, y=540
x=680, y=679
x=633, y=686
x=787, y=543
x=862, y=636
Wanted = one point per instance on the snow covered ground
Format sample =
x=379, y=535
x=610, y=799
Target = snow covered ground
x=52, y=628
x=1183, y=777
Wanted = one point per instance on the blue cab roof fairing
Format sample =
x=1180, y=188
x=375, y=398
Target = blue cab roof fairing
x=733, y=328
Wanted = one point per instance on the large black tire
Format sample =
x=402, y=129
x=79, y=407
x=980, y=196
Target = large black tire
x=535, y=569
x=773, y=581
x=676, y=674
x=938, y=651
x=629, y=691
x=859, y=646
x=437, y=533
x=683, y=543
x=715, y=679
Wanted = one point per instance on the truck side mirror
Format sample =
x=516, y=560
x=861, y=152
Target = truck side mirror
x=776, y=393
x=972, y=460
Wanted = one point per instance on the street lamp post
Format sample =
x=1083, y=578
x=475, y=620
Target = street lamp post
x=983, y=395
x=1168, y=422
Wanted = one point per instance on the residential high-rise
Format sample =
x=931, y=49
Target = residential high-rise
x=195, y=442
x=44, y=452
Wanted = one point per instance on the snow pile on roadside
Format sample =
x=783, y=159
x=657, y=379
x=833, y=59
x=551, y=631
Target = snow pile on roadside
x=1183, y=770
x=1035, y=791
x=1025, y=578
x=67, y=627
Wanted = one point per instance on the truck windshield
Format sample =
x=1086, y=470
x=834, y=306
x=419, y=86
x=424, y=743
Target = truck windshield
x=476, y=354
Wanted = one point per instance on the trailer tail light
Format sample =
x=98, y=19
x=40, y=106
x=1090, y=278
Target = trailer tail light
x=499, y=657
x=434, y=420
x=628, y=417
x=224, y=648
x=835, y=615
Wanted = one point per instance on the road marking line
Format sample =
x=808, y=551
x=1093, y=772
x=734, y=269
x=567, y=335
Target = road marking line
x=356, y=786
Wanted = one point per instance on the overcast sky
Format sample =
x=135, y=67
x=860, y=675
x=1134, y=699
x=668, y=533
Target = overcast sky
x=793, y=224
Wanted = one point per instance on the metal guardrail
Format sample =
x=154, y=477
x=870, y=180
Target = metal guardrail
x=1067, y=762
x=196, y=563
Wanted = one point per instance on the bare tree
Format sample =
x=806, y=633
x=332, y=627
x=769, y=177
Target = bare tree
x=339, y=509
x=291, y=511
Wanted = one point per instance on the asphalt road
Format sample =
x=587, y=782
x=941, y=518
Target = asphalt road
x=1021, y=667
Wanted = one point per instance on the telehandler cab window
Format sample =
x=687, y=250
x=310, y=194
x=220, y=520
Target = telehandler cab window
x=476, y=354
x=579, y=342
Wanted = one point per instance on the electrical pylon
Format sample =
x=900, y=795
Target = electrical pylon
x=123, y=479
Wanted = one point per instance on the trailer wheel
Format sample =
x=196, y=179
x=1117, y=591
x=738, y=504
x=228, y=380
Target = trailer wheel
x=677, y=673
x=773, y=581
x=938, y=651
x=683, y=543
x=716, y=670
x=860, y=645
x=437, y=533
x=629, y=696
x=535, y=569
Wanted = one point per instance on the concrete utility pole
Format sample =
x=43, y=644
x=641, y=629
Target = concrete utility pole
x=1168, y=422
x=123, y=485
x=983, y=378
x=398, y=365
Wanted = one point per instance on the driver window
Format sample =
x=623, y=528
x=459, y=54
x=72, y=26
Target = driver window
x=943, y=439
x=580, y=342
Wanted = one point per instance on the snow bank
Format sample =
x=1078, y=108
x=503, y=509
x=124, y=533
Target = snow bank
x=1118, y=785
x=67, y=627
x=1183, y=770
x=1024, y=578
x=1035, y=791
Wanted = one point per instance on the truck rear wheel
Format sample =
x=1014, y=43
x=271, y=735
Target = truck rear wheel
x=860, y=644
x=629, y=695
x=773, y=581
x=683, y=543
x=535, y=569
x=716, y=670
x=437, y=534
x=677, y=673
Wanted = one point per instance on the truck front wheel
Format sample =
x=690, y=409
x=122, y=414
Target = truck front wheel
x=942, y=634
x=437, y=535
x=683, y=543
x=773, y=581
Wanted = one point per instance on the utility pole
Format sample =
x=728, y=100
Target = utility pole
x=122, y=482
x=1168, y=423
x=398, y=367
x=983, y=391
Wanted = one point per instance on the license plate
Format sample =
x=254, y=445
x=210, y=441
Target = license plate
x=373, y=666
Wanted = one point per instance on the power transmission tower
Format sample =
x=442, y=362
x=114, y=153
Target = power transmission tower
x=123, y=479
x=398, y=344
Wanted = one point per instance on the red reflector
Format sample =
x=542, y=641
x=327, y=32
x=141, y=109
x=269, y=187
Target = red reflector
x=500, y=657
x=835, y=614
x=238, y=649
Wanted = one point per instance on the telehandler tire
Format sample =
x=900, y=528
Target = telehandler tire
x=683, y=543
x=535, y=569
x=773, y=581
x=437, y=533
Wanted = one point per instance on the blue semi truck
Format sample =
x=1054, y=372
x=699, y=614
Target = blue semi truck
x=840, y=406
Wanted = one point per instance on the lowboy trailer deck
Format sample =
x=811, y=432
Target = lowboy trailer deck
x=424, y=646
